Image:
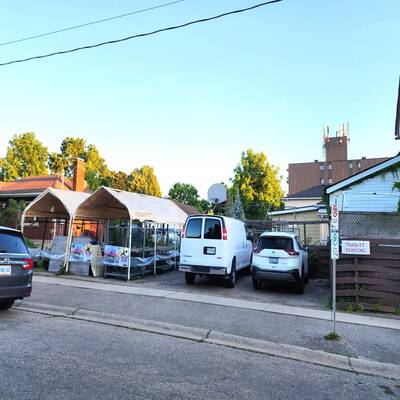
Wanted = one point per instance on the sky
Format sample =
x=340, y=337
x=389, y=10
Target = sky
x=188, y=102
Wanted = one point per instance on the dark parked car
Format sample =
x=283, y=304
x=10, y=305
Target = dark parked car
x=15, y=267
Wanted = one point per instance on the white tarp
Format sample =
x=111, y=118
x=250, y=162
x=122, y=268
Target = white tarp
x=107, y=203
x=55, y=203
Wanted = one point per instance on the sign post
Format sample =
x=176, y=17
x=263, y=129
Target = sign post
x=335, y=240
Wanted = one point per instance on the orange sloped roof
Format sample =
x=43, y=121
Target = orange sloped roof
x=35, y=184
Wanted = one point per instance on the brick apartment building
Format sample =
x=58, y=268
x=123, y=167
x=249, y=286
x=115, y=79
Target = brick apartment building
x=335, y=167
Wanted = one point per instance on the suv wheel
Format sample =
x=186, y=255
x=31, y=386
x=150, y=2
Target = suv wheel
x=190, y=277
x=300, y=283
x=230, y=283
x=306, y=276
x=6, y=305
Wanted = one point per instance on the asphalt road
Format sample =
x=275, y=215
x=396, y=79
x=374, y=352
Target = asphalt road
x=360, y=341
x=54, y=358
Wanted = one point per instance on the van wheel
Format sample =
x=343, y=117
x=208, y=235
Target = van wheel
x=231, y=281
x=6, y=305
x=190, y=277
x=256, y=282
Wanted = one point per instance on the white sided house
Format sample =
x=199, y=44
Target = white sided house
x=371, y=190
x=369, y=202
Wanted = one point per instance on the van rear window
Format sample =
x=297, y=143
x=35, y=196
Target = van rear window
x=275, y=243
x=193, y=228
x=212, y=229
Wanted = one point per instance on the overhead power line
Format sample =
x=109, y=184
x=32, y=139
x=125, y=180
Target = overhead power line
x=171, y=28
x=89, y=23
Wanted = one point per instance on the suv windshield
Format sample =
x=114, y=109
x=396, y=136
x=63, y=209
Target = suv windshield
x=12, y=242
x=275, y=243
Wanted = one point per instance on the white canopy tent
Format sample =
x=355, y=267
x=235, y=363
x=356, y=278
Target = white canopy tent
x=56, y=203
x=106, y=204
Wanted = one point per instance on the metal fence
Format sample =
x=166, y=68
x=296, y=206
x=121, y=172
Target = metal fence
x=310, y=232
x=369, y=225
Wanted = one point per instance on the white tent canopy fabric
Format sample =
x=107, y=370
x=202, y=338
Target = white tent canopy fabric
x=107, y=203
x=55, y=203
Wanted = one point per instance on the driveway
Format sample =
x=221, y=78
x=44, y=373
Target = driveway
x=316, y=294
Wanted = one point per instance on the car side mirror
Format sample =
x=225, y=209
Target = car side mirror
x=306, y=248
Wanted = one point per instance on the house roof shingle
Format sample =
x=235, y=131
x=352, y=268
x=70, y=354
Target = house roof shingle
x=34, y=185
x=313, y=192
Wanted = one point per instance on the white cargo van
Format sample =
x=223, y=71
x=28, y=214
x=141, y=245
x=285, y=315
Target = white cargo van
x=214, y=245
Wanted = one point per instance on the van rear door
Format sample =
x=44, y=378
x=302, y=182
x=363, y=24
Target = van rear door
x=192, y=242
x=213, y=243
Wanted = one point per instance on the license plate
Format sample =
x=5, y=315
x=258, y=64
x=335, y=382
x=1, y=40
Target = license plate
x=210, y=251
x=273, y=260
x=5, y=270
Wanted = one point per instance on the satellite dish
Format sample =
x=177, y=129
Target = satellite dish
x=217, y=193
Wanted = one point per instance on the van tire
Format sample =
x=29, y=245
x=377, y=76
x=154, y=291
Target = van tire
x=231, y=281
x=190, y=277
x=6, y=305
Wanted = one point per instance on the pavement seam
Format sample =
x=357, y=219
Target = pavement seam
x=258, y=346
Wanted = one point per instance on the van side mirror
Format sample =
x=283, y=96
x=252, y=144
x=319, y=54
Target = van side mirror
x=306, y=248
x=250, y=236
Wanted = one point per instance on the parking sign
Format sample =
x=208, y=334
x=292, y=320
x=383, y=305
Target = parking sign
x=334, y=245
x=334, y=217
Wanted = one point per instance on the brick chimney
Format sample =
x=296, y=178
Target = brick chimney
x=78, y=181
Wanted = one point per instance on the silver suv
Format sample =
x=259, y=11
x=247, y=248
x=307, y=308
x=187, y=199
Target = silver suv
x=15, y=267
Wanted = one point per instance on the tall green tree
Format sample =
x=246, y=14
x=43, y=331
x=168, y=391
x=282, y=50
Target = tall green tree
x=25, y=156
x=116, y=180
x=258, y=183
x=143, y=180
x=185, y=193
x=72, y=148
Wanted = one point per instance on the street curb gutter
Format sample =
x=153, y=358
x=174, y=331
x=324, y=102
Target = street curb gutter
x=296, y=353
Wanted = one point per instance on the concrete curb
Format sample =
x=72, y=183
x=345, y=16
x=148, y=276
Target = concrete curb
x=199, y=335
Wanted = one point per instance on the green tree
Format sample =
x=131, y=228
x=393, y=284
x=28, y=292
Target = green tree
x=204, y=206
x=25, y=156
x=258, y=184
x=63, y=162
x=11, y=215
x=185, y=193
x=143, y=180
x=72, y=148
x=116, y=180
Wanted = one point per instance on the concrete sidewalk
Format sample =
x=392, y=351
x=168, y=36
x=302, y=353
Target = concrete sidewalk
x=366, y=320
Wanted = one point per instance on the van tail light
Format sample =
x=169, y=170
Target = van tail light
x=183, y=231
x=28, y=263
x=224, y=233
x=293, y=253
x=256, y=250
